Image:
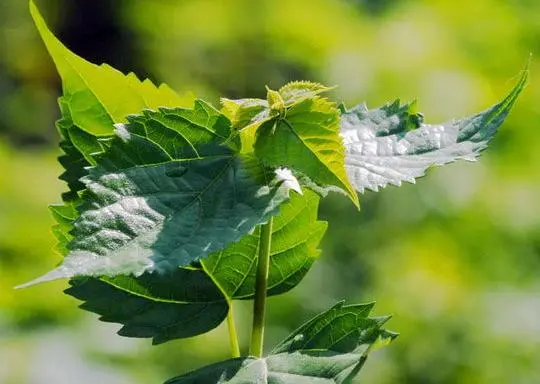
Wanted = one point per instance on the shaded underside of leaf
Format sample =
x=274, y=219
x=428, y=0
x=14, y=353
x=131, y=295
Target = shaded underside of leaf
x=296, y=233
x=149, y=311
x=390, y=144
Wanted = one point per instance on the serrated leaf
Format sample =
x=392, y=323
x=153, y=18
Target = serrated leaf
x=64, y=215
x=296, y=91
x=182, y=304
x=244, y=112
x=77, y=145
x=343, y=328
x=95, y=97
x=324, y=350
x=307, y=141
x=139, y=218
x=99, y=96
x=391, y=144
x=296, y=233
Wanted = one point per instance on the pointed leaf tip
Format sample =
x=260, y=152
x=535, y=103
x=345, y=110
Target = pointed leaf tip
x=55, y=274
x=391, y=144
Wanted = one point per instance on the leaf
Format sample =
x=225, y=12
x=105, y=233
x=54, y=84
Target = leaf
x=343, y=328
x=95, y=97
x=77, y=145
x=139, y=218
x=99, y=96
x=182, y=304
x=294, y=368
x=64, y=215
x=324, y=350
x=296, y=233
x=307, y=141
x=296, y=91
x=381, y=148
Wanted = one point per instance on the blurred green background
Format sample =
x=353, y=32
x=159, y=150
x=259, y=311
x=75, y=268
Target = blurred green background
x=455, y=258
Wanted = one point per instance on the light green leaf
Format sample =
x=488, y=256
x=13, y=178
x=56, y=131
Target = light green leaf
x=296, y=91
x=391, y=144
x=182, y=304
x=309, y=367
x=307, y=141
x=329, y=349
x=137, y=217
x=95, y=97
x=296, y=233
x=243, y=113
x=99, y=96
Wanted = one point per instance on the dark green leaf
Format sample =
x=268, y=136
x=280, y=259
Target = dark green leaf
x=329, y=349
x=343, y=328
x=189, y=203
x=182, y=304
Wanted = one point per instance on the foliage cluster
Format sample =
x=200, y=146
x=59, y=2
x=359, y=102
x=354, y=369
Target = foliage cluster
x=175, y=208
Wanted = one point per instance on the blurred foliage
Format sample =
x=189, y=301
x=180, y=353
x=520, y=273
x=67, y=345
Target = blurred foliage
x=455, y=258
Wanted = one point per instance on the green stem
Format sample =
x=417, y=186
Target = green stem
x=233, y=338
x=261, y=285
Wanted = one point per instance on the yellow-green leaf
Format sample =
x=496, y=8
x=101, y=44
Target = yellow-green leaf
x=99, y=95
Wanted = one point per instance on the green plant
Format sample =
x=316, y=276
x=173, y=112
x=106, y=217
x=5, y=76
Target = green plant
x=175, y=209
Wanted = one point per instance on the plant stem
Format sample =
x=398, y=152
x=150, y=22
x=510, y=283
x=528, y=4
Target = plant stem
x=261, y=284
x=233, y=338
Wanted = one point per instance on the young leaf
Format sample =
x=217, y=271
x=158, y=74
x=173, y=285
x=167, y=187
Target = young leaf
x=381, y=148
x=296, y=233
x=182, y=304
x=296, y=91
x=307, y=141
x=178, y=209
x=247, y=115
x=329, y=349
